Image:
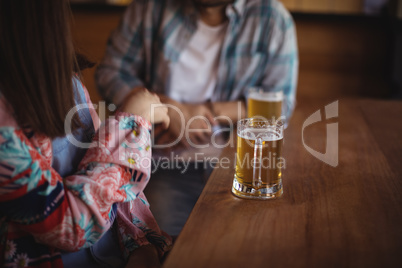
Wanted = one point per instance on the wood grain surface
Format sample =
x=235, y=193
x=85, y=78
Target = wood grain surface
x=344, y=216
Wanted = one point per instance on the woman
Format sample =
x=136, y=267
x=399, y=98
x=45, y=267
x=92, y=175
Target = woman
x=57, y=197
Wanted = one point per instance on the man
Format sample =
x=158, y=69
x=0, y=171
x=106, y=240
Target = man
x=200, y=56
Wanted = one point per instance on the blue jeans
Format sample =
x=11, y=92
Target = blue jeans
x=173, y=193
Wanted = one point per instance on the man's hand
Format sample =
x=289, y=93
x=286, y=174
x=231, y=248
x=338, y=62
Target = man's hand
x=190, y=124
x=144, y=257
x=139, y=102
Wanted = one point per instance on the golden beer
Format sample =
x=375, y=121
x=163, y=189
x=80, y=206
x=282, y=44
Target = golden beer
x=258, y=172
x=265, y=104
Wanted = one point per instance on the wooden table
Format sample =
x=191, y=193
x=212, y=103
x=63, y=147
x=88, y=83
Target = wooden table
x=344, y=216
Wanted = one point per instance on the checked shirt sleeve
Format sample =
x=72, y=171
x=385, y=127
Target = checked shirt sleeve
x=123, y=63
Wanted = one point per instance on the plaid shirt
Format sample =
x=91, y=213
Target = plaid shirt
x=260, y=49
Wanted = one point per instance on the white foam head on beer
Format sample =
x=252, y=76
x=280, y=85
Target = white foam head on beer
x=266, y=96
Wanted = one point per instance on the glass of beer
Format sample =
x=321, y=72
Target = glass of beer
x=259, y=159
x=264, y=104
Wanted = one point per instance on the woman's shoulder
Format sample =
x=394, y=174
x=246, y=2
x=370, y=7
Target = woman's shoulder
x=14, y=138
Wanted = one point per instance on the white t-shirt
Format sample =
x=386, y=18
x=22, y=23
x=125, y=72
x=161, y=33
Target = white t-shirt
x=194, y=75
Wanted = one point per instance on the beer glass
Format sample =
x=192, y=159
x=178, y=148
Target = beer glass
x=259, y=159
x=264, y=104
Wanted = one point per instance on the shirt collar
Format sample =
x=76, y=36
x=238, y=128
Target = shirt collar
x=238, y=7
x=189, y=8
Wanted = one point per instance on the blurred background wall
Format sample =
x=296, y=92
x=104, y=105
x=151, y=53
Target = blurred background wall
x=348, y=48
